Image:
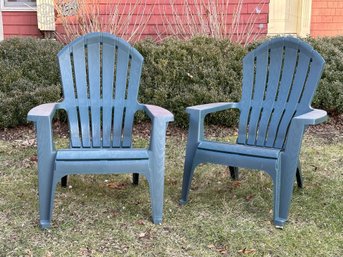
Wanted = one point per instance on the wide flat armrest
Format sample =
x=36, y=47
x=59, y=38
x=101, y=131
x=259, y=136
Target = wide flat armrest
x=205, y=109
x=42, y=111
x=154, y=111
x=313, y=117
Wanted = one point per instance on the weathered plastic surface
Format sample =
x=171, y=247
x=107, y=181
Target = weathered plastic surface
x=279, y=81
x=100, y=76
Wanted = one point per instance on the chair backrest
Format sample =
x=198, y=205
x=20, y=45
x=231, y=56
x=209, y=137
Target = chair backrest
x=279, y=81
x=100, y=76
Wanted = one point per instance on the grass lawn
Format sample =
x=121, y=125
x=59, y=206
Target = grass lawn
x=107, y=216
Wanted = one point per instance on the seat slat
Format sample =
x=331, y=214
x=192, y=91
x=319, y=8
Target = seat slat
x=272, y=87
x=108, y=59
x=290, y=59
x=66, y=70
x=120, y=90
x=240, y=149
x=259, y=89
x=82, y=95
x=94, y=91
x=102, y=154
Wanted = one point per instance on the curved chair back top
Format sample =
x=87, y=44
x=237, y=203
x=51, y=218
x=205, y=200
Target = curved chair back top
x=279, y=81
x=100, y=75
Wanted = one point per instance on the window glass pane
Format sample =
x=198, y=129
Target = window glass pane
x=20, y=3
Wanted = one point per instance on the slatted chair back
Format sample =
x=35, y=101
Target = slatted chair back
x=100, y=76
x=279, y=81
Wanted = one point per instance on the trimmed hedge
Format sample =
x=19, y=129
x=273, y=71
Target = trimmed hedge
x=176, y=74
x=28, y=77
x=329, y=94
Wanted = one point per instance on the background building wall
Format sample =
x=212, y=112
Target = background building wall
x=327, y=18
x=20, y=24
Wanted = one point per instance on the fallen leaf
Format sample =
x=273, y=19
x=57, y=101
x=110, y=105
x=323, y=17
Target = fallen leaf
x=116, y=185
x=141, y=235
x=249, y=197
x=247, y=251
x=236, y=184
x=141, y=222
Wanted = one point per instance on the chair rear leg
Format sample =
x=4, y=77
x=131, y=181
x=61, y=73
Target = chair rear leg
x=234, y=173
x=64, y=181
x=300, y=181
x=135, y=178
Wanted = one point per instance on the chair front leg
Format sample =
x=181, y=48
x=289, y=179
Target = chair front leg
x=46, y=159
x=195, y=132
x=156, y=175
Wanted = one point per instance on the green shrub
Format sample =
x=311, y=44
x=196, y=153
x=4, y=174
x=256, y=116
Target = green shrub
x=329, y=94
x=28, y=77
x=178, y=74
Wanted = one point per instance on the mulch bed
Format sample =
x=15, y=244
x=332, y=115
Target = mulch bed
x=331, y=130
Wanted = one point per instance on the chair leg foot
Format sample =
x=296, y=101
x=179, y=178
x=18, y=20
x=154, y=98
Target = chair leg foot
x=182, y=202
x=234, y=173
x=64, y=181
x=157, y=221
x=279, y=223
x=44, y=224
x=135, y=179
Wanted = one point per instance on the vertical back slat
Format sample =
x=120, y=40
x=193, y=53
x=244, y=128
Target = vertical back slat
x=81, y=87
x=94, y=86
x=120, y=88
x=272, y=87
x=248, y=83
x=131, y=102
x=311, y=84
x=108, y=59
x=299, y=81
x=290, y=59
x=101, y=76
x=260, y=85
x=66, y=70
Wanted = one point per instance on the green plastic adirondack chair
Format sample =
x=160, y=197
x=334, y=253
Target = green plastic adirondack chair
x=100, y=76
x=279, y=81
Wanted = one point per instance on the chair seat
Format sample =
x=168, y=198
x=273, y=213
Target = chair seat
x=101, y=154
x=240, y=149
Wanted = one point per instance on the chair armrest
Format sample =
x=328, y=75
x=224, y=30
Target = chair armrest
x=160, y=113
x=313, y=117
x=205, y=109
x=297, y=128
x=42, y=116
x=42, y=111
x=197, y=115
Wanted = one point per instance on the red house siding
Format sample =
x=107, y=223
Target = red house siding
x=20, y=24
x=327, y=18
x=157, y=11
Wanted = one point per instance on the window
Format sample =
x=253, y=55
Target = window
x=19, y=3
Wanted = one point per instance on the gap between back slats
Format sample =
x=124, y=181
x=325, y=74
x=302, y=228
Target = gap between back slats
x=273, y=84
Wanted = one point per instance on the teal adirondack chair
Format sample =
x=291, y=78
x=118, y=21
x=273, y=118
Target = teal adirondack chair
x=100, y=76
x=279, y=81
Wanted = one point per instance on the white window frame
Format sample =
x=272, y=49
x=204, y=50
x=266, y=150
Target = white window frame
x=29, y=6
